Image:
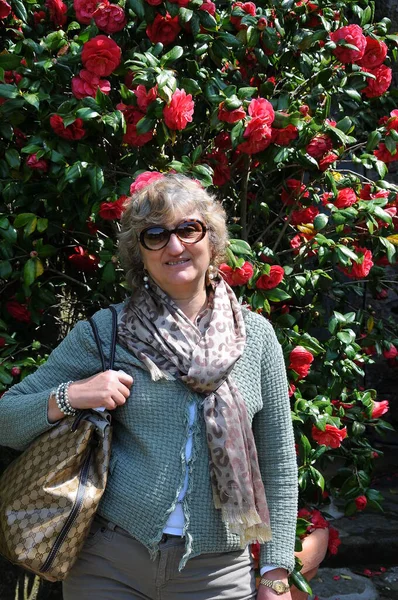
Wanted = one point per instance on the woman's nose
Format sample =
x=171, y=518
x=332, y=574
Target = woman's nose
x=174, y=244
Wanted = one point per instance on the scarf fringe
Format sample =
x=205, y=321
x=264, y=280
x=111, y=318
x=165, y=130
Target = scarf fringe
x=247, y=525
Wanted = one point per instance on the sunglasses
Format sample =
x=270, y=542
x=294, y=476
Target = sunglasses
x=157, y=237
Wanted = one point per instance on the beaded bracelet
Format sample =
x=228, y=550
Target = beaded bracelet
x=62, y=399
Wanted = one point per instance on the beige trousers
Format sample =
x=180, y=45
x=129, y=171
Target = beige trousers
x=115, y=566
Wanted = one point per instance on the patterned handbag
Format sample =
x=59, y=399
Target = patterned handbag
x=49, y=494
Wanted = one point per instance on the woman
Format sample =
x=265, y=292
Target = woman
x=203, y=458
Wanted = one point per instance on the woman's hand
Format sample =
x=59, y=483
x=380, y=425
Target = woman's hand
x=109, y=389
x=265, y=593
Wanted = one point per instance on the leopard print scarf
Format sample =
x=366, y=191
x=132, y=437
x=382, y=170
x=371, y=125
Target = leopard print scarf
x=202, y=355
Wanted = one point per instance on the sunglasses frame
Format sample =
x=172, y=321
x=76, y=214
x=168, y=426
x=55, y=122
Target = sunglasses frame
x=170, y=232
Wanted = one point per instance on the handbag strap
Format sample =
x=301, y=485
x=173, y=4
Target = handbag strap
x=113, y=340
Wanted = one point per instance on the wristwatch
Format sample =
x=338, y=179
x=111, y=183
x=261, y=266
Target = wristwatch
x=277, y=585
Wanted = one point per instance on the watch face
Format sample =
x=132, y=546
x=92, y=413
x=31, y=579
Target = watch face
x=279, y=587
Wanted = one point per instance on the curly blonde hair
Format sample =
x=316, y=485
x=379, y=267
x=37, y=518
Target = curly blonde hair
x=157, y=204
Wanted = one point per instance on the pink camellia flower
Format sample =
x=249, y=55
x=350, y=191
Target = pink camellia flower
x=230, y=116
x=18, y=311
x=84, y=10
x=375, y=54
x=82, y=260
x=285, y=135
x=247, y=7
x=345, y=198
x=272, y=280
x=300, y=361
x=258, y=133
x=39, y=164
x=334, y=540
x=353, y=35
x=101, y=55
x=238, y=276
x=392, y=122
x=319, y=146
x=377, y=87
x=179, y=112
x=57, y=10
x=304, y=215
x=163, y=29
x=331, y=437
x=361, y=502
x=5, y=9
x=109, y=17
x=109, y=211
x=209, y=7
x=293, y=191
x=382, y=153
x=144, y=96
x=132, y=116
x=360, y=270
x=74, y=131
x=87, y=83
x=143, y=180
x=379, y=409
x=392, y=352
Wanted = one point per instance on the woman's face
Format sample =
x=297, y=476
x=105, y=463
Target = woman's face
x=178, y=268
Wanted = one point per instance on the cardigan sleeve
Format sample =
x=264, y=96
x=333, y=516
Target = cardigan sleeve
x=274, y=437
x=23, y=408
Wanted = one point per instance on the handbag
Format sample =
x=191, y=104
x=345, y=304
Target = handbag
x=50, y=493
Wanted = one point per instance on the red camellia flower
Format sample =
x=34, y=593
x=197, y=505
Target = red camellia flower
x=327, y=160
x=392, y=122
x=377, y=87
x=238, y=276
x=319, y=146
x=283, y=137
x=222, y=141
x=345, y=198
x=163, y=29
x=74, y=131
x=143, y=180
x=145, y=97
x=230, y=116
x=272, y=280
x=39, y=164
x=57, y=10
x=258, y=131
x=375, y=54
x=38, y=17
x=5, y=9
x=304, y=215
x=300, y=361
x=331, y=437
x=154, y=2
x=352, y=34
x=379, y=409
x=361, y=502
x=101, y=55
x=247, y=7
x=87, y=83
x=83, y=261
x=334, y=540
x=314, y=516
x=179, y=112
x=360, y=270
x=15, y=371
x=392, y=352
x=18, y=311
x=132, y=115
x=109, y=211
x=382, y=153
x=209, y=7
x=294, y=190
x=218, y=160
x=84, y=10
x=109, y=17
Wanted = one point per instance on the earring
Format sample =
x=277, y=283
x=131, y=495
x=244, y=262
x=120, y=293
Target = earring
x=145, y=279
x=211, y=273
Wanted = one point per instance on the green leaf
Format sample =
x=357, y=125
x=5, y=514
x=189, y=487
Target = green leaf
x=13, y=158
x=207, y=20
x=236, y=131
x=87, y=113
x=32, y=99
x=8, y=91
x=32, y=270
x=96, y=178
x=108, y=273
x=5, y=269
x=366, y=16
x=373, y=140
x=42, y=225
x=240, y=247
x=320, y=222
x=204, y=174
x=347, y=336
x=23, y=219
x=191, y=86
x=20, y=10
x=5, y=377
x=381, y=168
x=138, y=7
x=174, y=54
x=9, y=61
x=145, y=125
x=185, y=15
x=300, y=582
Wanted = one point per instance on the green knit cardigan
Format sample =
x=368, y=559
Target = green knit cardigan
x=148, y=464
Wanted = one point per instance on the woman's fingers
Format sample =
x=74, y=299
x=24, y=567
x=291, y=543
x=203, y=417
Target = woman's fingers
x=108, y=389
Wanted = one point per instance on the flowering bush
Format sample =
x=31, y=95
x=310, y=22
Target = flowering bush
x=285, y=111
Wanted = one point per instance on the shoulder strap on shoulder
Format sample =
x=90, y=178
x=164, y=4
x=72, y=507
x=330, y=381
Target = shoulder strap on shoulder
x=113, y=340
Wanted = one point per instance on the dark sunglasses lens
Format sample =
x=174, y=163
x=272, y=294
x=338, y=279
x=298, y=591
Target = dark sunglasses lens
x=155, y=238
x=190, y=231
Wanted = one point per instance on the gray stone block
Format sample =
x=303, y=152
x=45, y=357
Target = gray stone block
x=349, y=586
